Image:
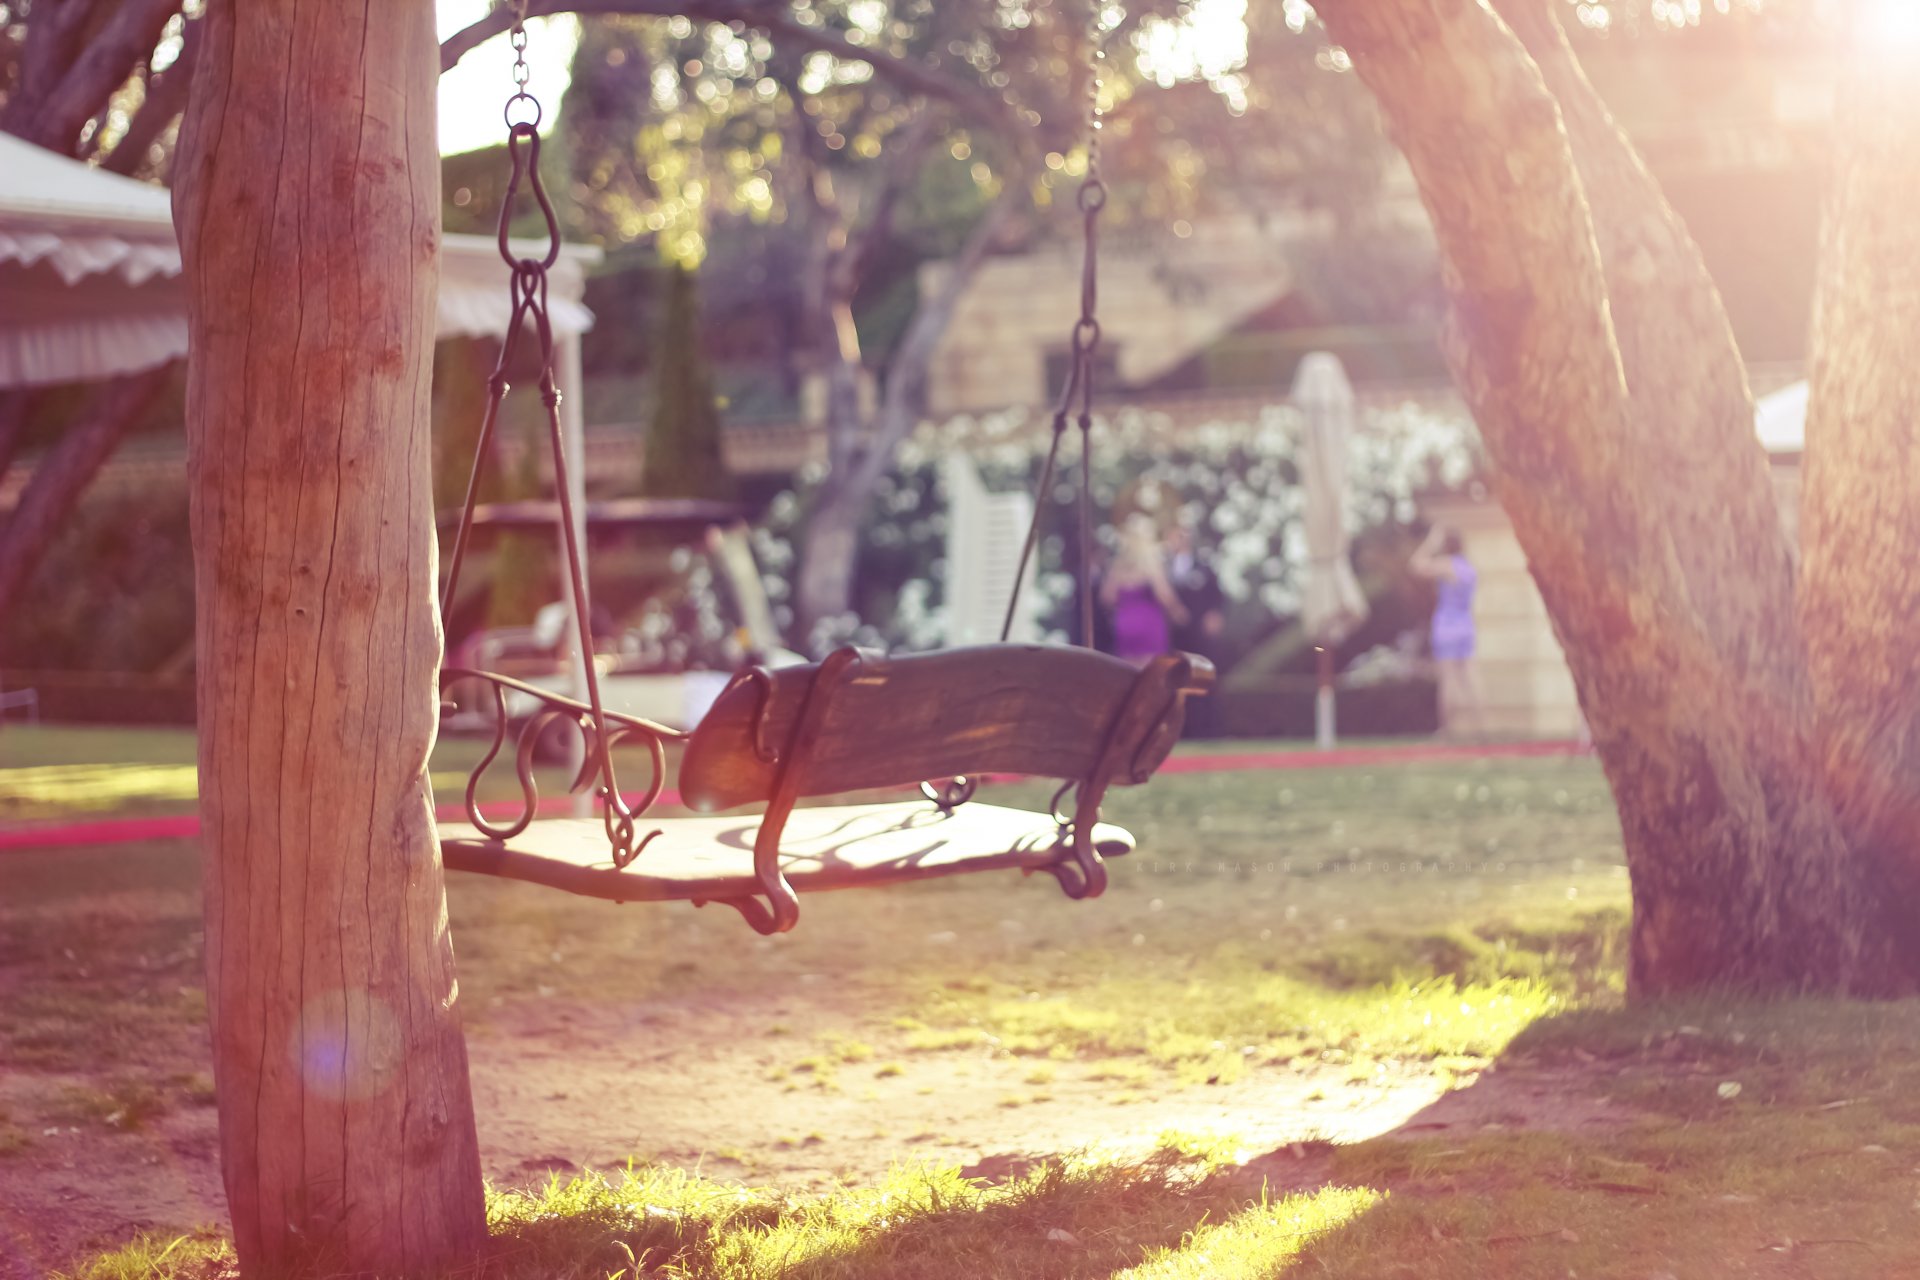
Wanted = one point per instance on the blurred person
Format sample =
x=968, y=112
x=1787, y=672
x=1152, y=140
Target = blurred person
x=1141, y=601
x=1198, y=587
x=1442, y=560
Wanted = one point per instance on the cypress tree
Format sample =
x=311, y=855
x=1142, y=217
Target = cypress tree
x=682, y=456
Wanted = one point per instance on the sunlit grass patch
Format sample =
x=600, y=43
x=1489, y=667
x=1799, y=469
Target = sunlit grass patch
x=50, y=772
x=1260, y=1241
x=1121, y=1072
x=845, y=1050
x=57, y=790
x=1210, y=1029
x=198, y=1255
x=1208, y=1149
x=941, y=1039
x=1576, y=952
x=1070, y=1219
x=819, y=1071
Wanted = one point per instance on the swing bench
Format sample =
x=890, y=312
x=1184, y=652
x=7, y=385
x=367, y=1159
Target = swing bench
x=858, y=722
x=853, y=722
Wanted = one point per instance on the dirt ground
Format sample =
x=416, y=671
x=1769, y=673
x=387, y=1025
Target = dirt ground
x=561, y=1086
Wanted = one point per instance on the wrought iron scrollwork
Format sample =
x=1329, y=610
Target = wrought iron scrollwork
x=600, y=730
x=949, y=794
x=620, y=815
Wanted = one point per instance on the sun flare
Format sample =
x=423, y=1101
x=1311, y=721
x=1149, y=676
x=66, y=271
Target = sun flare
x=1888, y=29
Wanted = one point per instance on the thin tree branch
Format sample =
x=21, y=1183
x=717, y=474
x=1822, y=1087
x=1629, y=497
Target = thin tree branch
x=907, y=371
x=166, y=99
x=897, y=176
x=125, y=42
x=14, y=404
x=54, y=40
x=987, y=108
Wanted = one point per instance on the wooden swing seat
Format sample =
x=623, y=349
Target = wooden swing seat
x=860, y=722
x=835, y=847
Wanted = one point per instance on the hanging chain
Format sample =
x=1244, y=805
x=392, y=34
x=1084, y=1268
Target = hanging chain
x=527, y=295
x=1082, y=349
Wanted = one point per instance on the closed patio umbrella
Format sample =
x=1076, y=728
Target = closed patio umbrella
x=1333, y=604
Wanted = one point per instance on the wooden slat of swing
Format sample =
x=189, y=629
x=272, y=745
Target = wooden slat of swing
x=836, y=847
x=1040, y=711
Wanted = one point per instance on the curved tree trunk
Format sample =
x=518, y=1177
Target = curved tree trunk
x=1739, y=878
x=308, y=206
x=1708, y=480
x=1860, y=599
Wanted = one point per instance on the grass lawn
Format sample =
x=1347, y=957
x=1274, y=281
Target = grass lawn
x=55, y=772
x=1450, y=928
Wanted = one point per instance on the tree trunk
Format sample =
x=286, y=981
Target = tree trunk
x=1738, y=881
x=836, y=261
x=823, y=590
x=823, y=587
x=65, y=472
x=1860, y=597
x=860, y=451
x=308, y=207
x=1707, y=479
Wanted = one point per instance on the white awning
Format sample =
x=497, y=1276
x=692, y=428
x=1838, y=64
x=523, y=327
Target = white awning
x=90, y=275
x=1780, y=419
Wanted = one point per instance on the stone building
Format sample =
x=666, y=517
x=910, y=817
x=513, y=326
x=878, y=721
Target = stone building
x=1162, y=300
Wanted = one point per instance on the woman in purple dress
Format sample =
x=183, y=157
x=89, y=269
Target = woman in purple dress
x=1143, y=603
x=1441, y=559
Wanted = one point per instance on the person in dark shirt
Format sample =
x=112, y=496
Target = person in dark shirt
x=1198, y=587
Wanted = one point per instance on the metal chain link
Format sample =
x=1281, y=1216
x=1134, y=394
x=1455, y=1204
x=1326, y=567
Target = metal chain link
x=522, y=73
x=1083, y=345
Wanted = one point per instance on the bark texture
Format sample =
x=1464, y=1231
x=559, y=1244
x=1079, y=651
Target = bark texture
x=1676, y=641
x=308, y=205
x=1707, y=479
x=1860, y=521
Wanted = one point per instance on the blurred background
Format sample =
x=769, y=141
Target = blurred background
x=831, y=258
